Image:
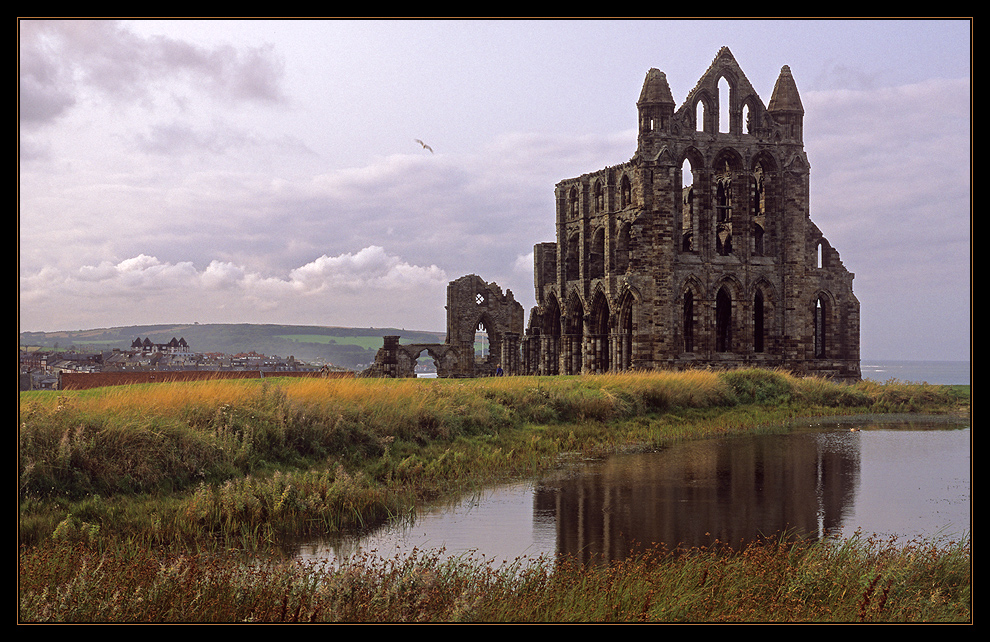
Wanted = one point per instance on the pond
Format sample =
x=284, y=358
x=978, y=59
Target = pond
x=885, y=478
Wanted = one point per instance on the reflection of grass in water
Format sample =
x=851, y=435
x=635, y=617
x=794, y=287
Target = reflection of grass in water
x=249, y=459
x=120, y=487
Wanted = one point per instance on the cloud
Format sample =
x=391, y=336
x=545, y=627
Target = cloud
x=164, y=178
x=350, y=287
x=222, y=275
x=890, y=189
x=138, y=273
x=524, y=264
x=895, y=157
x=445, y=215
x=369, y=268
x=63, y=63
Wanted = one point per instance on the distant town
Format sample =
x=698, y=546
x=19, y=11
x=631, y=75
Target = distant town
x=41, y=369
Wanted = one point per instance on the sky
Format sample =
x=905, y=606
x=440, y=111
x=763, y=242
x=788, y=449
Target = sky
x=267, y=171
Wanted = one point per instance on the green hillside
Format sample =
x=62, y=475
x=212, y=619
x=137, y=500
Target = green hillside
x=346, y=347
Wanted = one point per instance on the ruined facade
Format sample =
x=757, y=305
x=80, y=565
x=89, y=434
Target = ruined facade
x=699, y=251
x=474, y=309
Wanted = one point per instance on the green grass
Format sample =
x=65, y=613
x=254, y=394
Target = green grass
x=395, y=441
x=369, y=343
x=178, y=468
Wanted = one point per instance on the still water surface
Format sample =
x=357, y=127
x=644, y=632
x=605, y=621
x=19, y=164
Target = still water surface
x=904, y=479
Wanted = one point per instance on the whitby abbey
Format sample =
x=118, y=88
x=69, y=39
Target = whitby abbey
x=697, y=252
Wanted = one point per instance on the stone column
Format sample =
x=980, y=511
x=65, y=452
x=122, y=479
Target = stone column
x=510, y=353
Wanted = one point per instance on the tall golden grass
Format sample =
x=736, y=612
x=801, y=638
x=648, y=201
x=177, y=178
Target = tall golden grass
x=235, y=456
x=119, y=487
x=551, y=398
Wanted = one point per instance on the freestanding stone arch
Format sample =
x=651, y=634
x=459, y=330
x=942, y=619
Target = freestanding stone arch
x=471, y=304
x=444, y=356
x=474, y=305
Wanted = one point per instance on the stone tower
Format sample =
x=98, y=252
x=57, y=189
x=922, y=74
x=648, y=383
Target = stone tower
x=699, y=251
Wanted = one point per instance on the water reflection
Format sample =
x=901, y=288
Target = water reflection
x=691, y=495
x=500, y=524
x=885, y=479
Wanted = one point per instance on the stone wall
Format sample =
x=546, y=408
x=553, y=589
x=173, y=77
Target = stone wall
x=699, y=251
x=84, y=381
x=473, y=306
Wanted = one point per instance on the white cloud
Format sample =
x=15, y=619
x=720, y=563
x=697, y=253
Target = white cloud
x=370, y=267
x=351, y=286
x=291, y=174
x=222, y=275
x=524, y=264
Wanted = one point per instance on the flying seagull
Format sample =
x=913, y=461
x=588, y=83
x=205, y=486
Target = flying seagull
x=425, y=146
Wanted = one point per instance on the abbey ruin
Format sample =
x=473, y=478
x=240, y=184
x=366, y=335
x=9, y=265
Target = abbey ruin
x=697, y=252
x=473, y=307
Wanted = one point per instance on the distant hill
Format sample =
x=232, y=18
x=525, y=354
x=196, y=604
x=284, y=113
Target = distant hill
x=346, y=347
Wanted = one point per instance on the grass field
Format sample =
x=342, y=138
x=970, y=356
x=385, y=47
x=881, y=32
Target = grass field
x=138, y=503
x=371, y=343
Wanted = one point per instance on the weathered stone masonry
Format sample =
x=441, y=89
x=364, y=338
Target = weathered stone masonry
x=473, y=306
x=725, y=269
x=652, y=271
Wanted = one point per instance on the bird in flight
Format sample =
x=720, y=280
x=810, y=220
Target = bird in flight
x=425, y=146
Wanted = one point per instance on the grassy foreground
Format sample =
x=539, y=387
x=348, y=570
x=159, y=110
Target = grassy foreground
x=130, y=496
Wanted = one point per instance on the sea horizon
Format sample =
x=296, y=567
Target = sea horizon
x=917, y=371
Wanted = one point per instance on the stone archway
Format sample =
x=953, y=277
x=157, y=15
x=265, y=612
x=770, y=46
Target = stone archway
x=399, y=361
x=470, y=302
x=473, y=303
x=600, y=335
x=444, y=356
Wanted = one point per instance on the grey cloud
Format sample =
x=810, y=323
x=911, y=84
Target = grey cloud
x=45, y=90
x=61, y=60
x=891, y=191
x=253, y=73
x=176, y=137
x=838, y=76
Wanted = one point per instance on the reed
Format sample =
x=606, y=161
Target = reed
x=215, y=460
x=770, y=581
x=130, y=498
